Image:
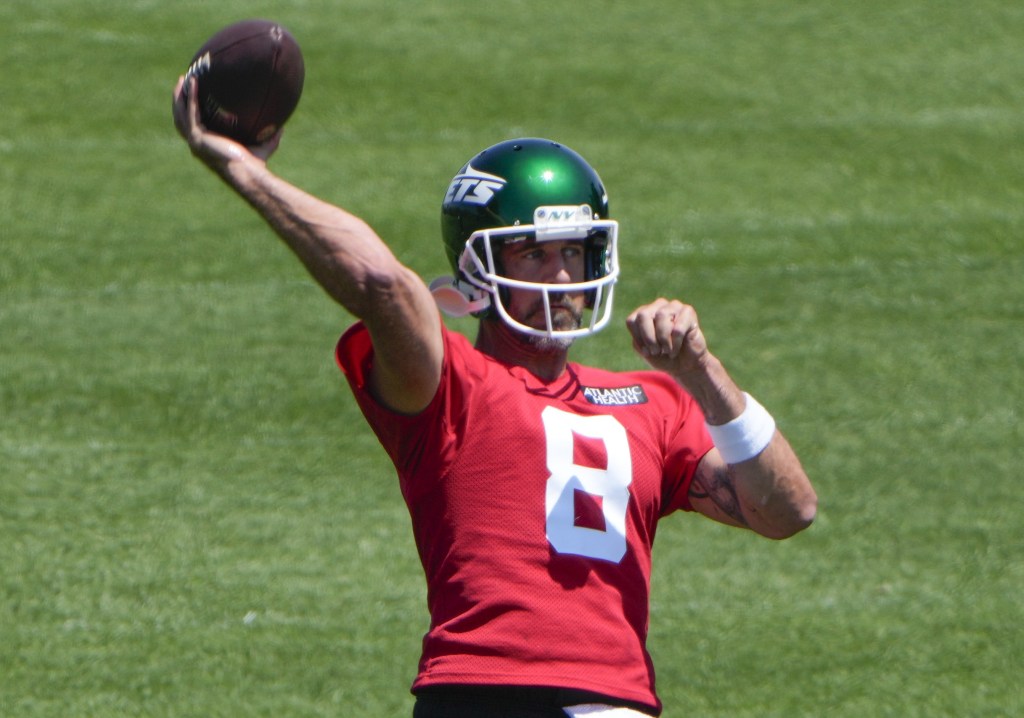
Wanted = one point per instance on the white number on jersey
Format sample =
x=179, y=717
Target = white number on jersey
x=607, y=488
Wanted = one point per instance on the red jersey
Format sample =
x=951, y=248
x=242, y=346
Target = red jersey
x=534, y=506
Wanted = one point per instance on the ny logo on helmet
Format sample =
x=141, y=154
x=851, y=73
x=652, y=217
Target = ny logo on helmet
x=472, y=186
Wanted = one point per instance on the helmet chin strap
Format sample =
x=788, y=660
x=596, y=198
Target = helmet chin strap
x=457, y=299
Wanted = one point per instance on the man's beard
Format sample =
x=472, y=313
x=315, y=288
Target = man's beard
x=551, y=344
x=567, y=320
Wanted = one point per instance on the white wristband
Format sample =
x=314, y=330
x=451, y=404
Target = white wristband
x=746, y=436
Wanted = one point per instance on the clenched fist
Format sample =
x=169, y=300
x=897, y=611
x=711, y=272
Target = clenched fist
x=667, y=335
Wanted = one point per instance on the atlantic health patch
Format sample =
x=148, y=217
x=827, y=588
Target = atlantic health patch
x=618, y=396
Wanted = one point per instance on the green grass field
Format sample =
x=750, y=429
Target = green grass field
x=194, y=521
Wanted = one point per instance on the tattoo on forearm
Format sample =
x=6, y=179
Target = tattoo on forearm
x=722, y=493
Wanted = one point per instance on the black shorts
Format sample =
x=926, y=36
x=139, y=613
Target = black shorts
x=507, y=702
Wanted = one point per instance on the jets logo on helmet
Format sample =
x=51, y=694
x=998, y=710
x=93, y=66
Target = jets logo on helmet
x=471, y=186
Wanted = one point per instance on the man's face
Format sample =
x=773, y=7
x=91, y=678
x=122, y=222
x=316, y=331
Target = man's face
x=550, y=262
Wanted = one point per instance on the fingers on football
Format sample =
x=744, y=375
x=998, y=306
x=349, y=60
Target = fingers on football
x=178, y=106
x=186, y=108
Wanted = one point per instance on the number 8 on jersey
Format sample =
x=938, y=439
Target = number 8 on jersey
x=608, y=486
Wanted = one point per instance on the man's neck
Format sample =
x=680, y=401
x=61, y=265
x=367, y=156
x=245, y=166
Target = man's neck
x=498, y=340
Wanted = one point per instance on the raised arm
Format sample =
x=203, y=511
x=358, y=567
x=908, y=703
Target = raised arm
x=767, y=492
x=343, y=254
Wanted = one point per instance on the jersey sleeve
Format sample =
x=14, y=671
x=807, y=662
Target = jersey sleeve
x=416, y=443
x=688, y=443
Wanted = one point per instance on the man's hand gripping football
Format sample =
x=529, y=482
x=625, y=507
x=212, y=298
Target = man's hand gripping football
x=216, y=151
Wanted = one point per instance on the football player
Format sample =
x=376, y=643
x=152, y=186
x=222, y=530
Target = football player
x=534, y=484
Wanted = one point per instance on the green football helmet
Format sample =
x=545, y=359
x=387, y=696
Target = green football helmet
x=526, y=189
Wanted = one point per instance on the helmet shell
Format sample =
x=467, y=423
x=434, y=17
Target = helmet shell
x=504, y=184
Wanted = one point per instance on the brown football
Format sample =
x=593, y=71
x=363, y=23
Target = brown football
x=250, y=77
